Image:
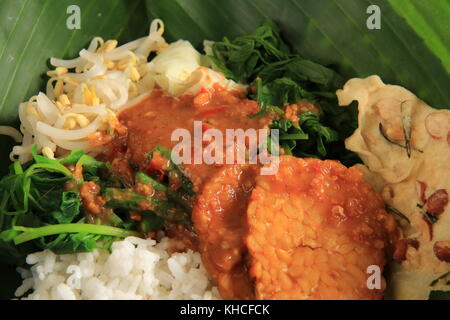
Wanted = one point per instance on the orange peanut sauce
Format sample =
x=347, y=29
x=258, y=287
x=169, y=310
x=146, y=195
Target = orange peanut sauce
x=151, y=122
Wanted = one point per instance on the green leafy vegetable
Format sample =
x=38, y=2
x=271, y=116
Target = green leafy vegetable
x=151, y=223
x=77, y=242
x=439, y=295
x=35, y=205
x=40, y=204
x=280, y=78
x=35, y=233
x=170, y=199
x=244, y=57
x=72, y=158
x=145, y=179
x=69, y=208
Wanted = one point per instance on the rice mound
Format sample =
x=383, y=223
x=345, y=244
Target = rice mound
x=136, y=269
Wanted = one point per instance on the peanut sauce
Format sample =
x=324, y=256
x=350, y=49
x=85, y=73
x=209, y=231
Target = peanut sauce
x=151, y=122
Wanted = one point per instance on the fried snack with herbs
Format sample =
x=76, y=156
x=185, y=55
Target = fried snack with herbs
x=314, y=229
x=220, y=221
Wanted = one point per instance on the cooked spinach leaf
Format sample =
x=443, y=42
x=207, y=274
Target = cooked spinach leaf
x=279, y=78
x=69, y=208
x=37, y=212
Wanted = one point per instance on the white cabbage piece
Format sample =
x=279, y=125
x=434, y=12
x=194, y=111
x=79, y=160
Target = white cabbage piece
x=180, y=69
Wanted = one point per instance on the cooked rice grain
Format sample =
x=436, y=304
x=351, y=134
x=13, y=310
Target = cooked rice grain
x=136, y=269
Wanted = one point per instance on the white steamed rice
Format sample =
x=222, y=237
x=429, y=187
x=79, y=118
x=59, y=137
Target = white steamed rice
x=136, y=269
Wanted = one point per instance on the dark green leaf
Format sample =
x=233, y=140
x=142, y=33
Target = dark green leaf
x=70, y=207
x=151, y=222
x=76, y=242
x=439, y=295
x=72, y=158
x=8, y=235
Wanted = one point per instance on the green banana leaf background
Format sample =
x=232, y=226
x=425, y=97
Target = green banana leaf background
x=411, y=49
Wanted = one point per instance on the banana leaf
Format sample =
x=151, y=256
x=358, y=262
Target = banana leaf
x=411, y=49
